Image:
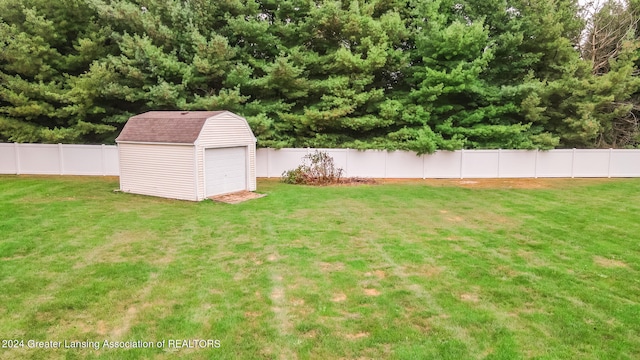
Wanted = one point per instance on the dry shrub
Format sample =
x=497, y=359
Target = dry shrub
x=317, y=168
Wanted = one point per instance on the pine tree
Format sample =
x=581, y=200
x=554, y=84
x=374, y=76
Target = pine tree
x=612, y=47
x=45, y=51
x=462, y=88
x=419, y=75
x=329, y=83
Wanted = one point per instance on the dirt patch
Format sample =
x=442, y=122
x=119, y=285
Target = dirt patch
x=252, y=314
x=237, y=197
x=339, y=297
x=101, y=328
x=497, y=183
x=357, y=181
x=327, y=267
x=371, y=292
x=273, y=257
x=297, y=302
x=470, y=298
x=377, y=273
x=426, y=270
x=356, y=336
x=504, y=272
x=501, y=183
x=609, y=263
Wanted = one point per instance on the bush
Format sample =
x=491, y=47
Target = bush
x=317, y=168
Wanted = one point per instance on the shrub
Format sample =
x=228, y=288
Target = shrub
x=317, y=168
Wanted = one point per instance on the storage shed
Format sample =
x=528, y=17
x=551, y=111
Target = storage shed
x=188, y=155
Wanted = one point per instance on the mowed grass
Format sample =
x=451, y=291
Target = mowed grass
x=398, y=271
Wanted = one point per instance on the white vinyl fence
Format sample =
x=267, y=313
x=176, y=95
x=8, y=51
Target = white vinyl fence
x=463, y=163
x=103, y=160
x=59, y=159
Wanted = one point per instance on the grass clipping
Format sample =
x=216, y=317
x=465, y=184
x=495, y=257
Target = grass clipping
x=318, y=168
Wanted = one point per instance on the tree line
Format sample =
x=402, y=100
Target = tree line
x=416, y=75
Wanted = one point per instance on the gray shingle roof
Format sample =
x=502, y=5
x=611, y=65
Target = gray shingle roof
x=180, y=127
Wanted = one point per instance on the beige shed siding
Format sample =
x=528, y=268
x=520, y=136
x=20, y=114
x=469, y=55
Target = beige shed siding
x=225, y=130
x=140, y=165
x=200, y=172
x=252, y=167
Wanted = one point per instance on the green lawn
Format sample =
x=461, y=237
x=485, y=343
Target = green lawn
x=399, y=271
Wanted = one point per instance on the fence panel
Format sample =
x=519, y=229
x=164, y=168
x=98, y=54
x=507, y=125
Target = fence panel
x=625, y=163
x=368, y=163
x=262, y=162
x=8, y=163
x=404, y=164
x=480, y=164
x=81, y=160
x=517, y=164
x=283, y=160
x=59, y=159
x=442, y=165
x=556, y=163
x=591, y=163
x=340, y=156
x=110, y=160
x=39, y=159
x=103, y=160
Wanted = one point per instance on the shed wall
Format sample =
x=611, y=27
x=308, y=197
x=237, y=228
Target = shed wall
x=225, y=130
x=158, y=170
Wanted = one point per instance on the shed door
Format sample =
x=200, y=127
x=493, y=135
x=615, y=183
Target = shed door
x=225, y=170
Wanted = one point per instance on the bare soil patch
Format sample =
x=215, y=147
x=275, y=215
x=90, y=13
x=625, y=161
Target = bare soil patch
x=273, y=257
x=359, y=335
x=357, y=181
x=501, y=183
x=426, y=270
x=609, y=263
x=371, y=292
x=475, y=183
x=339, y=297
x=470, y=298
x=377, y=273
x=252, y=314
x=327, y=267
x=237, y=197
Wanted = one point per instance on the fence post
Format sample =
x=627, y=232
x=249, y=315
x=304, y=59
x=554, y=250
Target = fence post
x=424, y=167
x=16, y=148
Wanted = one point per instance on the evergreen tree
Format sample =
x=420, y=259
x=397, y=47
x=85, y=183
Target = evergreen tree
x=611, y=45
x=420, y=75
x=45, y=51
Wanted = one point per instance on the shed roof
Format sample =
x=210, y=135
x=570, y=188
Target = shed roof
x=180, y=127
